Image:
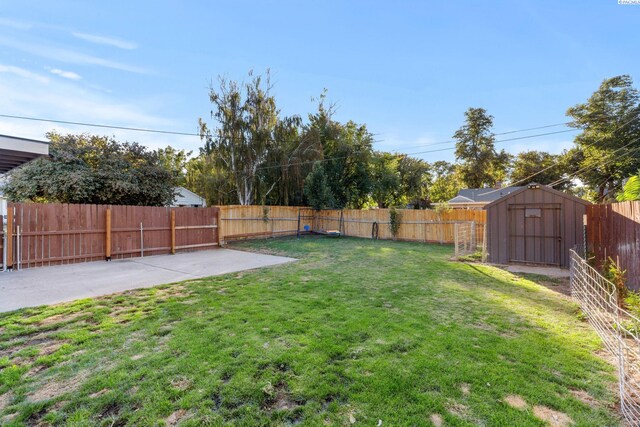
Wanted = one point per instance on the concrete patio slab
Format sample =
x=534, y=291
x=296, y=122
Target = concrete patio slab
x=49, y=285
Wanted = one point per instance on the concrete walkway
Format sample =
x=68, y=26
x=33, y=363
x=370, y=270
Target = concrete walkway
x=49, y=285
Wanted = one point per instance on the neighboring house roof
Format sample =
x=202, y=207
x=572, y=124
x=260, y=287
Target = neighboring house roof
x=484, y=195
x=15, y=151
x=461, y=199
x=188, y=198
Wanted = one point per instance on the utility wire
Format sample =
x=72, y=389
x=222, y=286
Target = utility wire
x=453, y=141
x=410, y=154
x=526, y=179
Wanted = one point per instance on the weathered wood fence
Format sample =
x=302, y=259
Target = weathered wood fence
x=247, y=222
x=614, y=231
x=50, y=234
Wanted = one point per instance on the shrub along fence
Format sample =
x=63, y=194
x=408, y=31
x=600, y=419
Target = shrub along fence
x=613, y=230
x=50, y=234
x=247, y=222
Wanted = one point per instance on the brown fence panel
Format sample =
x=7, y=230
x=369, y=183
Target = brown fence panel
x=614, y=231
x=50, y=234
x=250, y=222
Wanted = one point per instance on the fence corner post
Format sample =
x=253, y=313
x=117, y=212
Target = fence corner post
x=107, y=239
x=172, y=216
x=9, y=236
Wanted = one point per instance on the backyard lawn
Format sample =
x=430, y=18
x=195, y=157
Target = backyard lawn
x=357, y=332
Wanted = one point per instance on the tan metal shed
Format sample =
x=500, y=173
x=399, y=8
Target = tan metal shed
x=534, y=225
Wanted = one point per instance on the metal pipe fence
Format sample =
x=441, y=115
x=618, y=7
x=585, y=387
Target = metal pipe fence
x=618, y=329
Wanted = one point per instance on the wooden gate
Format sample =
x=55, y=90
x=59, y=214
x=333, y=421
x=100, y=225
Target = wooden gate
x=535, y=234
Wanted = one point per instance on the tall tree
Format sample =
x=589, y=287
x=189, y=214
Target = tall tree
x=539, y=166
x=317, y=190
x=446, y=182
x=480, y=164
x=93, y=169
x=175, y=161
x=608, y=149
x=415, y=177
x=247, y=117
x=347, y=151
x=386, y=180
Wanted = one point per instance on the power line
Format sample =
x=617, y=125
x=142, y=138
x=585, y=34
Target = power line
x=408, y=154
x=453, y=141
x=556, y=163
x=65, y=122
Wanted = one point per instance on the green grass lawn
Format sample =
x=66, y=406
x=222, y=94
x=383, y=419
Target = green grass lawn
x=357, y=332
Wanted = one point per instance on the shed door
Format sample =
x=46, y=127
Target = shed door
x=535, y=234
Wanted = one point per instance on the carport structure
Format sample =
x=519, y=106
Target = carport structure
x=15, y=151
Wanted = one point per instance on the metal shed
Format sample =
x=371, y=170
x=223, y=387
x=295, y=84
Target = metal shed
x=534, y=225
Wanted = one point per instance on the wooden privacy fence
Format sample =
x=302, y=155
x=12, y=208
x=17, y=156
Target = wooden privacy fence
x=614, y=231
x=247, y=222
x=50, y=234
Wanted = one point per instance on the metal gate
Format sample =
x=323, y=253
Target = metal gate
x=535, y=235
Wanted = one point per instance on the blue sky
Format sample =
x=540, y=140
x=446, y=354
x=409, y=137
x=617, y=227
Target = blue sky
x=407, y=69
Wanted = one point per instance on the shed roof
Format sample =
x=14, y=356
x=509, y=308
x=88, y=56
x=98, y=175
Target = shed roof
x=482, y=194
x=536, y=186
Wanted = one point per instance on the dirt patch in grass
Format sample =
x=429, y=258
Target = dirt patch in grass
x=278, y=398
x=551, y=417
x=99, y=393
x=465, y=388
x=181, y=383
x=60, y=318
x=5, y=399
x=515, y=401
x=585, y=397
x=458, y=409
x=52, y=389
x=176, y=417
x=436, y=420
x=51, y=347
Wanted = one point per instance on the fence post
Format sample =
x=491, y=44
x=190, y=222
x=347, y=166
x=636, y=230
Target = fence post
x=455, y=239
x=18, y=247
x=9, y=237
x=107, y=239
x=219, y=227
x=172, y=215
x=141, y=241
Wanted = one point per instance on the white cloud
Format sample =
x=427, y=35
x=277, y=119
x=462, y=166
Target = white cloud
x=67, y=55
x=109, y=41
x=66, y=74
x=25, y=74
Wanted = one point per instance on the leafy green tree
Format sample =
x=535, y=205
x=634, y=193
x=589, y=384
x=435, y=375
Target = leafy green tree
x=544, y=167
x=175, y=161
x=387, y=183
x=415, y=177
x=446, y=182
x=93, y=169
x=247, y=117
x=347, y=150
x=608, y=148
x=480, y=164
x=205, y=177
x=631, y=190
x=317, y=190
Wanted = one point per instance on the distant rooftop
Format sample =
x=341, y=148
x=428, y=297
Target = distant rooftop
x=15, y=151
x=482, y=195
